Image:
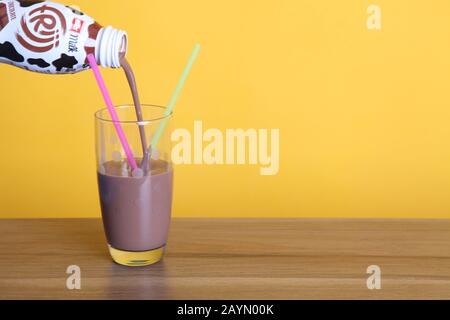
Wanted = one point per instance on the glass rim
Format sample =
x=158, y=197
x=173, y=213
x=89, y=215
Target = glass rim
x=98, y=116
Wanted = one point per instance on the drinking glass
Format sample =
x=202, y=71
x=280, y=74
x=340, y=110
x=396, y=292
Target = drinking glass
x=136, y=205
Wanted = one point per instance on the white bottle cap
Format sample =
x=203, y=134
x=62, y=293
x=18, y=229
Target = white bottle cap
x=111, y=44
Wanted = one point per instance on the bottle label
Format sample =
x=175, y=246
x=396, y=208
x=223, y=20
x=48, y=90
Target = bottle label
x=45, y=37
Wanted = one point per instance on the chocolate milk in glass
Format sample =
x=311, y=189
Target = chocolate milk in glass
x=136, y=211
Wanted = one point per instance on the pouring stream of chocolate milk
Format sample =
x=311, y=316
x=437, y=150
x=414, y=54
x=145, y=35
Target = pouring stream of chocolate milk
x=137, y=104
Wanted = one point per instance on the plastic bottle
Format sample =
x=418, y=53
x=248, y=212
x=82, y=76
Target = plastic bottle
x=52, y=38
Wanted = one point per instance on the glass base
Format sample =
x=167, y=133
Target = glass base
x=136, y=259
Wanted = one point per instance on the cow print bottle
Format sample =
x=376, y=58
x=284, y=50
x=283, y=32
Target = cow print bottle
x=48, y=37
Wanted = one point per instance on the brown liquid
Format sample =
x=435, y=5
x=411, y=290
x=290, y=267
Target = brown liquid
x=137, y=104
x=136, y=211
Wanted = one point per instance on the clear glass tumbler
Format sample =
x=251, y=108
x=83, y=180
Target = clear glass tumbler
x=136, y=204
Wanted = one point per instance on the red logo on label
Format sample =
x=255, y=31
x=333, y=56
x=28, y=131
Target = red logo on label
x=77, y=25
x=40, y=29
x=4, y=20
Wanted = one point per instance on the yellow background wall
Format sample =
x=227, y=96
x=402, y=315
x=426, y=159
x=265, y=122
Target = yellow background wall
x=364, y=116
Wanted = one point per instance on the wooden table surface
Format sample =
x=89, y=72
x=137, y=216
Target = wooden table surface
x=232, y=259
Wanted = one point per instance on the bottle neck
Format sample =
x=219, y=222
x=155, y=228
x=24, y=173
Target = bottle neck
x=111, y=45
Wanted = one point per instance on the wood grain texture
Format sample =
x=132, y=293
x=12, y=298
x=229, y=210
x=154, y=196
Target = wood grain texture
x=232, y=259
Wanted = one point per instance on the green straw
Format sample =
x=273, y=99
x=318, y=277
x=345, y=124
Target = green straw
x=175, y=95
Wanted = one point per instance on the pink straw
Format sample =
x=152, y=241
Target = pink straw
x=112, y=111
